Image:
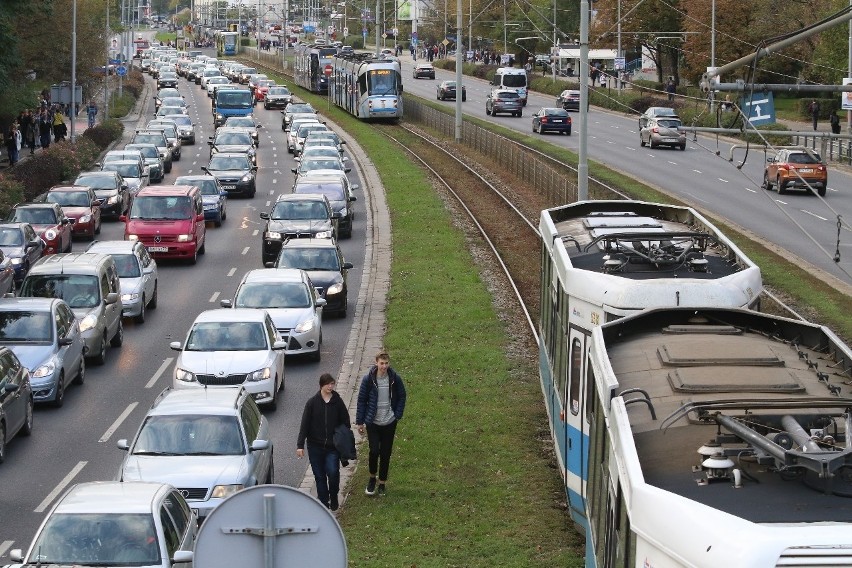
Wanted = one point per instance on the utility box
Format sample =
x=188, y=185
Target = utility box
x=61, y=93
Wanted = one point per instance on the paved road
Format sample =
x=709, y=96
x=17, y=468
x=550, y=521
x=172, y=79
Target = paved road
x=702, y=175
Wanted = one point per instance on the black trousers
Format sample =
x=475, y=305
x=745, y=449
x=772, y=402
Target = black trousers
x=380, y=439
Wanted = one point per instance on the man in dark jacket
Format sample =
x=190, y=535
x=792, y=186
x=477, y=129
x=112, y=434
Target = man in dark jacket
x=381, y=402
x=323, y=412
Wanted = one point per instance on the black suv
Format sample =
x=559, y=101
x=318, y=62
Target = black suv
x=297, y=216
x=336, y=188
x=323, y=261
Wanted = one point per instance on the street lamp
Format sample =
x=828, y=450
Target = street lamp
x=505, y=25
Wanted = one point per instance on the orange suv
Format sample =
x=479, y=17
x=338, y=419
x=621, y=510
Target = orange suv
x=795, y=168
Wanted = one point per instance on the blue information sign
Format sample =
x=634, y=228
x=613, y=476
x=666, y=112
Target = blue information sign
x=759, y=108
x=121, y=70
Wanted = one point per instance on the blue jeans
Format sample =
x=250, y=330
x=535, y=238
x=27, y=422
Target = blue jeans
x=326, y=467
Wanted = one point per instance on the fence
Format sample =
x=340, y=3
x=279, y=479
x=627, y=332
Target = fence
x=831, y=150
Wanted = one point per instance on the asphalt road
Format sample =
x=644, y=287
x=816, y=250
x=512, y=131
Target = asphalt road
x=703, y=175
x=76, y=443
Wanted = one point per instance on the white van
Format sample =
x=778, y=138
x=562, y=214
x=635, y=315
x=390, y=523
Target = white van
x=511, y=79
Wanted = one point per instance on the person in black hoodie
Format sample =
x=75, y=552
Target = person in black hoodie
x=323, y=412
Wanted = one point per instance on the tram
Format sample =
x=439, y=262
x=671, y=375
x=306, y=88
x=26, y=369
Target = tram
x=226, y=43
x=717, y=437
x=310, y=65
x=367, y=87
x=604, y=260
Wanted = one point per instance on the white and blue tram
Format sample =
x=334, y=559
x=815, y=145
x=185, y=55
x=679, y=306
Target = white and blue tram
x=717, y=437
x=603, y=260
x=367, y=87
x=310, y=64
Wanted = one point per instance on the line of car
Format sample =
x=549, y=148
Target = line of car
x=196, y=445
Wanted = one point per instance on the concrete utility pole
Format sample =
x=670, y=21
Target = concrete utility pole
x=74, y=67
x=583, y=160
x=459, y=84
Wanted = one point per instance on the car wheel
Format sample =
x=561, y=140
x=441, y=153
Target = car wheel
x=203, y=248
x=118, y=338
x=821, y=191
x=273, y=404
x=153, y=302
x=141, y=317
x=641, y=141
x=487, y=112
x=780, y=186
x=520, y=114
x=81, y=373
x=651, y=144
x=270, y=475
x=464, y=98
x=2, y=442
x=224, y=213
x=682, y=147
x=98, y=228
x=767, y=185
x=59, y=399
x=568, y=132
x=27, y=428
x=194, y=258
x=218, y=221
x=100, y=358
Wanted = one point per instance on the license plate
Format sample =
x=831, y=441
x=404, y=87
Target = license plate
x=806, y=171
x=229, y=187
x=158, y=249
x=557, y=121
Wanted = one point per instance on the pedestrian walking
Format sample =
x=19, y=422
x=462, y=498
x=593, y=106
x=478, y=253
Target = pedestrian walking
x=13, y=143
x=381, y=403
x=323, y=413
x=671, y=88
x=92, y=112
x=813, y=109
x=45, y=128
x=59, y=128
x=835, y=122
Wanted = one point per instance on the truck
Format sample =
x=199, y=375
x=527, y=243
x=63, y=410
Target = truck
x=231, y=101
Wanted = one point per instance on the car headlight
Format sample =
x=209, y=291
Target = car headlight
x=246, y=178
x=323, y=235
x=184, y=238
x=163, y=154
x=220, y=117
x=259, y=375
x=305, y=326
x=335, y=289
x=50, y=234
x=88, y=322
x=113, y=200
x=272, y=235
x=45, y=370
x=85, y=218
x=129, y=297
x=222, y=491
x=16, y=261
x=184, y=375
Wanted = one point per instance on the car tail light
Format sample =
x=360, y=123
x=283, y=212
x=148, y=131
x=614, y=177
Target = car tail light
x=655, y=130
x=544, y=119
x=569, y=120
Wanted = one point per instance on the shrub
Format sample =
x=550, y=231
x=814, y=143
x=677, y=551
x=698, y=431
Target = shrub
x=74, y=157
x=11, y=192
x=134, y=82
x=105, y=133
x=38, y=173
x=826, y=107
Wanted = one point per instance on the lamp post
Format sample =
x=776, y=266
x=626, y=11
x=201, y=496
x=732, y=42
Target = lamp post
x=74, y=66
x=506, y=25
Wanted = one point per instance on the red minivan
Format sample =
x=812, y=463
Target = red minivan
x=168, y=220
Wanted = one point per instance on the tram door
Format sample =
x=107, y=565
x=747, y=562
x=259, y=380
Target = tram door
x=575, y=432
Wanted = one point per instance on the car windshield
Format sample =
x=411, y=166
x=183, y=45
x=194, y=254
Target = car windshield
x=309, y=128
x=182, y=435
x=70, y=198
x=166, y=111
x=507, y=96
x=162, y=207
x=157, y=140
x=127, y=265
x=126, y=170
x=273, y=295
x=801, y=158
x=314, y=164
x=239, y=122
x=227, y=336
x=308, y=258
x=148, y=151
x=78, y=290
x=10, y=237
x=320, y=151
x=174, y=102
x=668, y=123
x=182, y=120
x=25, y=326
x=294, y=108
x=207, y=184
x=334, y=191
x=166, y=93
x=96, y=182
x=119, y=156
x=299, y=211
x=97, y=539
x=279, y=91
x=555, y=112
x=35, y=215
x=226, y=163
x=233, y=139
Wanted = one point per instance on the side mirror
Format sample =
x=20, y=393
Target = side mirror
x=269, y=264
x=199, y=217
x=111, y=298
x=352, y=198
x=122, y=218
x=258, y=445
x=294, y=170
x=16, y=555
x=279, y=345
x=174, y=345
x=122, y=444
x=321, y=302
x=204, y=169
x=182, y=557
x=347, y=265
x=354, y=186
x=65, y=341
x=264, y=215
x=225, y=303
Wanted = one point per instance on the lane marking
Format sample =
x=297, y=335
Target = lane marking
x=160, y=371
x=672, y=163
x=751, y=190
x=255, y=232
x=806, y=212
x=781, y=202
x=121, y=418
x=697, y=171
x=630, y=148
x=245, y=250
x=232, y=271
x=214, y=297
x=60, y=487
x=268, y=203
x=724, y=180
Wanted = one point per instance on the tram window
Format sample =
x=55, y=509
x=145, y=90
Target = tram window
x=591, y=394
x=362, y=84
x=574, y=378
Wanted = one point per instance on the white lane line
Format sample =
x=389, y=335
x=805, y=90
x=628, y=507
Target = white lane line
x=781, y=202
x=630, y=148
x=806, y=212
x=245, y=251
x=697, y=171
x=255, y=232
x=232, y=271
x=5, y=545
x=608, y=141
x=60, y=487
x=268, y=203
x=751, y=190
x=214, y=297
x=672, y=163
x=121, y=418
x=272, y=191
x=724, y=180
x=160, y=371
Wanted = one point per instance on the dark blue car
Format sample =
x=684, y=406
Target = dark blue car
x=213, y=196
x=21, y=247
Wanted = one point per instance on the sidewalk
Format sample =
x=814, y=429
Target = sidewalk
x=81, y=124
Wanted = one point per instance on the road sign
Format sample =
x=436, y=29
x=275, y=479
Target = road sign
x=345, y=32
x=270, y=525
x=759, y=108
x=384, y=36
x=121, y=70
x=395, y=31
x=327, y=70
x=619, y=63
